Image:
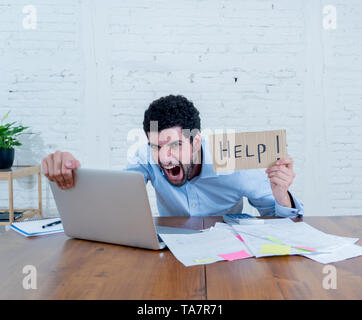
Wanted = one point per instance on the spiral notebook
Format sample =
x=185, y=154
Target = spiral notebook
x=33, y=228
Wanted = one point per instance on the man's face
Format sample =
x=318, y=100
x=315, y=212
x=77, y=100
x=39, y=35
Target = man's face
x=173, y=152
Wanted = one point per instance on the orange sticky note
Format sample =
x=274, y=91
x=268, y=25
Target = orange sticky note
x=242, y=254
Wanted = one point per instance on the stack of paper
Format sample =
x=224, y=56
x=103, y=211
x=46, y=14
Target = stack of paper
x=297, y=238
x=206, y=247
x=33, y=228
x=273, y=238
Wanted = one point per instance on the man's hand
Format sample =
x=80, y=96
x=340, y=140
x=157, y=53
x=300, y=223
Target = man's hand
x=281, y=176
x=59, y=167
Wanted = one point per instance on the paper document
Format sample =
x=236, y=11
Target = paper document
x=345, y=252
x=33, y=228
x=261, y=247
x=206, y=247
x=301, y=237
x=276, y=237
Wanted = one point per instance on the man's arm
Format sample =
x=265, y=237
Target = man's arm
x=297, y=208
x=268, y=206
x=261, y=197
x=138, y=162
x=281, y=177
x=59, y=167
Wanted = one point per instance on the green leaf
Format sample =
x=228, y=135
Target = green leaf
x=6, y=116
x=9, y=133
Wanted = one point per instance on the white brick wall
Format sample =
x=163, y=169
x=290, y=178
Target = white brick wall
x=84, y=77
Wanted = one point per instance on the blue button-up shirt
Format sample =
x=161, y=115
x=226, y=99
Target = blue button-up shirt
x=210, y=193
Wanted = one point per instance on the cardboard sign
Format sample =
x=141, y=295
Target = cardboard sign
x=247, y=150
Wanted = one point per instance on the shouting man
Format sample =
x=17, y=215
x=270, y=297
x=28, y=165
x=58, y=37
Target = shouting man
x=177, y=161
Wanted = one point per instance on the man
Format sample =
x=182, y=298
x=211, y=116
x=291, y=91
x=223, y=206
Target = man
x=178, y=163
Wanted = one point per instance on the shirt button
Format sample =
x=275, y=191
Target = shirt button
x=193, y=205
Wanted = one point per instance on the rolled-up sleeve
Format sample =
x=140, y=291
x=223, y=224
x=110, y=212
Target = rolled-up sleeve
x=262, y=198
x=286, y=212
x=138, y=162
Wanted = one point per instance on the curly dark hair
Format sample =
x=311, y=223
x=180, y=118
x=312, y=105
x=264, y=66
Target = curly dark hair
x=171, y=111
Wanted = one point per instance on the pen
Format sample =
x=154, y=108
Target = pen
x=51, y=224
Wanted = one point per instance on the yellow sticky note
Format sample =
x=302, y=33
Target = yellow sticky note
x=204, y=260
x=273, y=239
x=275, y=249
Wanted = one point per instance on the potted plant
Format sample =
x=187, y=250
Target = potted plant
x=9, y=133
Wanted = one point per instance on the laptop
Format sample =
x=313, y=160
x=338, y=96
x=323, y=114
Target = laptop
x=109, y=206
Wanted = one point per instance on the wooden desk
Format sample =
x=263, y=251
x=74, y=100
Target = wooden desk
x=77, y=269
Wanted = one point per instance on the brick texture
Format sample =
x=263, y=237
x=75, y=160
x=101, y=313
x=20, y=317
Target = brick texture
x=83, y=78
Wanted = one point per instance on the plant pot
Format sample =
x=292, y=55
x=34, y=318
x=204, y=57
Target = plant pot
x=6, y=158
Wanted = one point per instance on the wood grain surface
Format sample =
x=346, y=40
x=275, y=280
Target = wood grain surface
x=79, y=269
x=288, y=277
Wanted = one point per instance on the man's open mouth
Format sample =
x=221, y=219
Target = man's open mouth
x=173, y=172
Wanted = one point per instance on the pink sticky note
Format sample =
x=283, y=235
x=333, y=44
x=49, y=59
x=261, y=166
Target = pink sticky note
x=240, y=238
x=242, y=254
x=305, y=248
